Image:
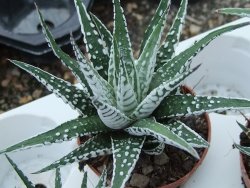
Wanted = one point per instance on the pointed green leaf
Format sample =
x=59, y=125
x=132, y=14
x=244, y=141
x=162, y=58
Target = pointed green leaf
x=66, y=131
x=126, y=96
x=243, y=127
x=155, y=97
x=160, y=13
x=243, y=149
x=242, y=12
x=111, y=116
x=101, y=183
x=179, y=105
x=25, y=180
x=120, y=33
x=114, y=62
x=65, y=58
x=104, y=33
x=97, y=48
x=70, y=94
x=182, y=61
x=58, y=180
x=102, y=180
x=126, y=151
x=96, y=146
x=146, y=62
x=167, y=51
x=162, y=133
x=98, y=85
x=189, y=135
x=84, y=180
x=154, y=148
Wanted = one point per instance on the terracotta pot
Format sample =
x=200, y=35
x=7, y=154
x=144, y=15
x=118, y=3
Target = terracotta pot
x=183, y=179
x=244, y=172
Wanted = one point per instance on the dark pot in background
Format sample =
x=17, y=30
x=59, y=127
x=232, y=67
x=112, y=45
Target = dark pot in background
x=20, y=27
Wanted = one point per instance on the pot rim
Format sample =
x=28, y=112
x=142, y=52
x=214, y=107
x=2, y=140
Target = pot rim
x=244, y=174
x=183, y=179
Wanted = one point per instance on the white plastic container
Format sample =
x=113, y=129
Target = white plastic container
x=225, y=65
x=20, y=127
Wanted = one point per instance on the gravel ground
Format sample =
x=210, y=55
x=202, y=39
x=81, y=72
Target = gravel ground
x=18, y=88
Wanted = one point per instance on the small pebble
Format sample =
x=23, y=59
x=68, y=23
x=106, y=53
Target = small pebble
x=194, y=29
x=147, y=169
x=37, y=93
x=5, y=83
x=161, y=159
x=25, y=99
x=131, y=6
x=187, y=165
x=139, y=180
x=15, y=72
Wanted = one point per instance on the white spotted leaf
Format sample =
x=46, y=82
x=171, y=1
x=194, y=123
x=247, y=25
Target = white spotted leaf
x=146, y=63
x=101, y=182
x=99, y=86
x=104, y=33
x=155, y=97
x=71, y=63
x=64, y=132
x=70, y=94
x=84, y=180
x=24, y=178
x=120, y=33
x=184, y=105
x=114, y=64
x=111, y=116
x=242, y=12
x=181, y=62
x=149, y=127
x=126, y=151
x=126, y=97
x=96, y=45
x=160, y=13
x=183, y=131
x=103, y=178
x=96, y=146
x=243, y=149
x=58, y=179
x=167, y=50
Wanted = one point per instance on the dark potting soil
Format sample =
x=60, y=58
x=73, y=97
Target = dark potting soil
x=156, y=170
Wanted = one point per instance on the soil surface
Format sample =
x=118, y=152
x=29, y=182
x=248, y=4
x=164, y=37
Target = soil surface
x=18, y=88
x=156, y=170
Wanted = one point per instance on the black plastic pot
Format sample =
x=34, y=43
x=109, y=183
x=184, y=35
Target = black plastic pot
x=20, y=27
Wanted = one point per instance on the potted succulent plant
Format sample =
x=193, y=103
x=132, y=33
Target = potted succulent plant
x=244, y=146
x=128, y=107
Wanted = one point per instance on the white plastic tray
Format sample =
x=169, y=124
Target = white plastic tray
x=221, y=166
